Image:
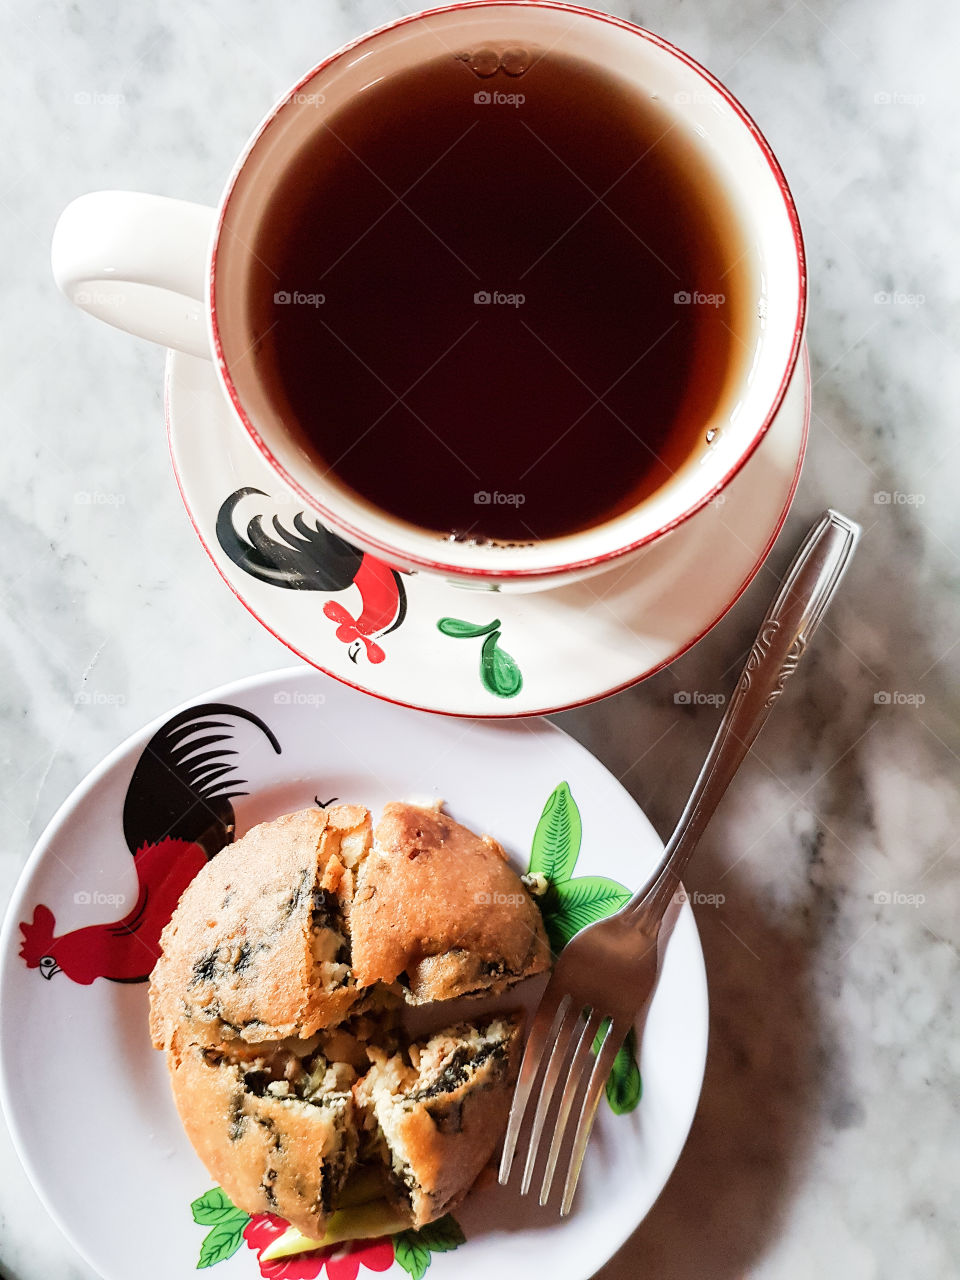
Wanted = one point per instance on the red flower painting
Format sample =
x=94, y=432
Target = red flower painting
x=229, y=1228
x=339, y=1262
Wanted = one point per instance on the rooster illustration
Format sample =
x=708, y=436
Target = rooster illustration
x=314, y=559
x=176, y=816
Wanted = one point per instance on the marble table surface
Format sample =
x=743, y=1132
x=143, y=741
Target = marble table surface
x=827, y=1136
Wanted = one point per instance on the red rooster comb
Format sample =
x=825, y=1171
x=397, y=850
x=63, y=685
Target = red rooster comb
x=37, y=936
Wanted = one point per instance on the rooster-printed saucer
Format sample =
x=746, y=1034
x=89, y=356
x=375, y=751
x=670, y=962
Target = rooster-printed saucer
x=418, y=640
x=87, y=1098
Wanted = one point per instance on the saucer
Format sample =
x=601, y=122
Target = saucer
x=415, y=639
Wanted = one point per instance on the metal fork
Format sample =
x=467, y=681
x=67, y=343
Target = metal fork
x=608, y=972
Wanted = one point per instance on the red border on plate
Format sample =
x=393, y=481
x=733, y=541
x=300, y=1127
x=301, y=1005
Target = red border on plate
x=512, y=715
x=438, y=566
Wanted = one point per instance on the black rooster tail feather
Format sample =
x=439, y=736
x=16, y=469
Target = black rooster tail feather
x=401, y=605
x=309, y=559
x=185, y=779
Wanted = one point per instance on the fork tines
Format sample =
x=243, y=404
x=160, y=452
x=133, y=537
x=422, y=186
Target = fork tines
x=560, y=1025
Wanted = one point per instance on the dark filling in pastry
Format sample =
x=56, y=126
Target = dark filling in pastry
x=459, y=1069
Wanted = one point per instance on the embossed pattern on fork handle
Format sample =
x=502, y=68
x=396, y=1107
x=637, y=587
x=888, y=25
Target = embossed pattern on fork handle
x=806, y=591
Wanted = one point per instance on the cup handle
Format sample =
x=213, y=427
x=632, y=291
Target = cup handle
x=138, y=262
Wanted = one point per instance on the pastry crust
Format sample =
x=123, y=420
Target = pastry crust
x=441, y=909
x=270, y=1155
x=257, y=948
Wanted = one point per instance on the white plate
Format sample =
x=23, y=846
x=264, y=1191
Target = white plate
x=354, y=618
x=87, y=1098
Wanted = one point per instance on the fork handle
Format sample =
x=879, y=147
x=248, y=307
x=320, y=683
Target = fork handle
x=806, y=591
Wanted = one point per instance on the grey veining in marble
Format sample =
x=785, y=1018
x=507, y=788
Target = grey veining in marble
x=827, y=1137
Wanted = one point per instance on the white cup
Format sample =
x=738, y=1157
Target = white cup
x=175, y=273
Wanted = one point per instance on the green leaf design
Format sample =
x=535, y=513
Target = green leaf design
x=412, y=1249
x=460, y=630
x=624, y=1086
x=598, y=1038
x=498, y=670
x=212, y=1207
x=592, y=898
x=556, y=841
x=574, y=904
x=224, y=1240
x=443, y=1235
x=411, y=1254
x=570, y=905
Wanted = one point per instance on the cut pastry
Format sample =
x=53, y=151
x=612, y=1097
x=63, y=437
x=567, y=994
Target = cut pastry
x=277, y=995
x=277, y=1136
x=258, y=948
x=441, y=910
x=437, y=1111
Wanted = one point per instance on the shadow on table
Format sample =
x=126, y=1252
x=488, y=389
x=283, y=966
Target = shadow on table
x=729, y=1192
